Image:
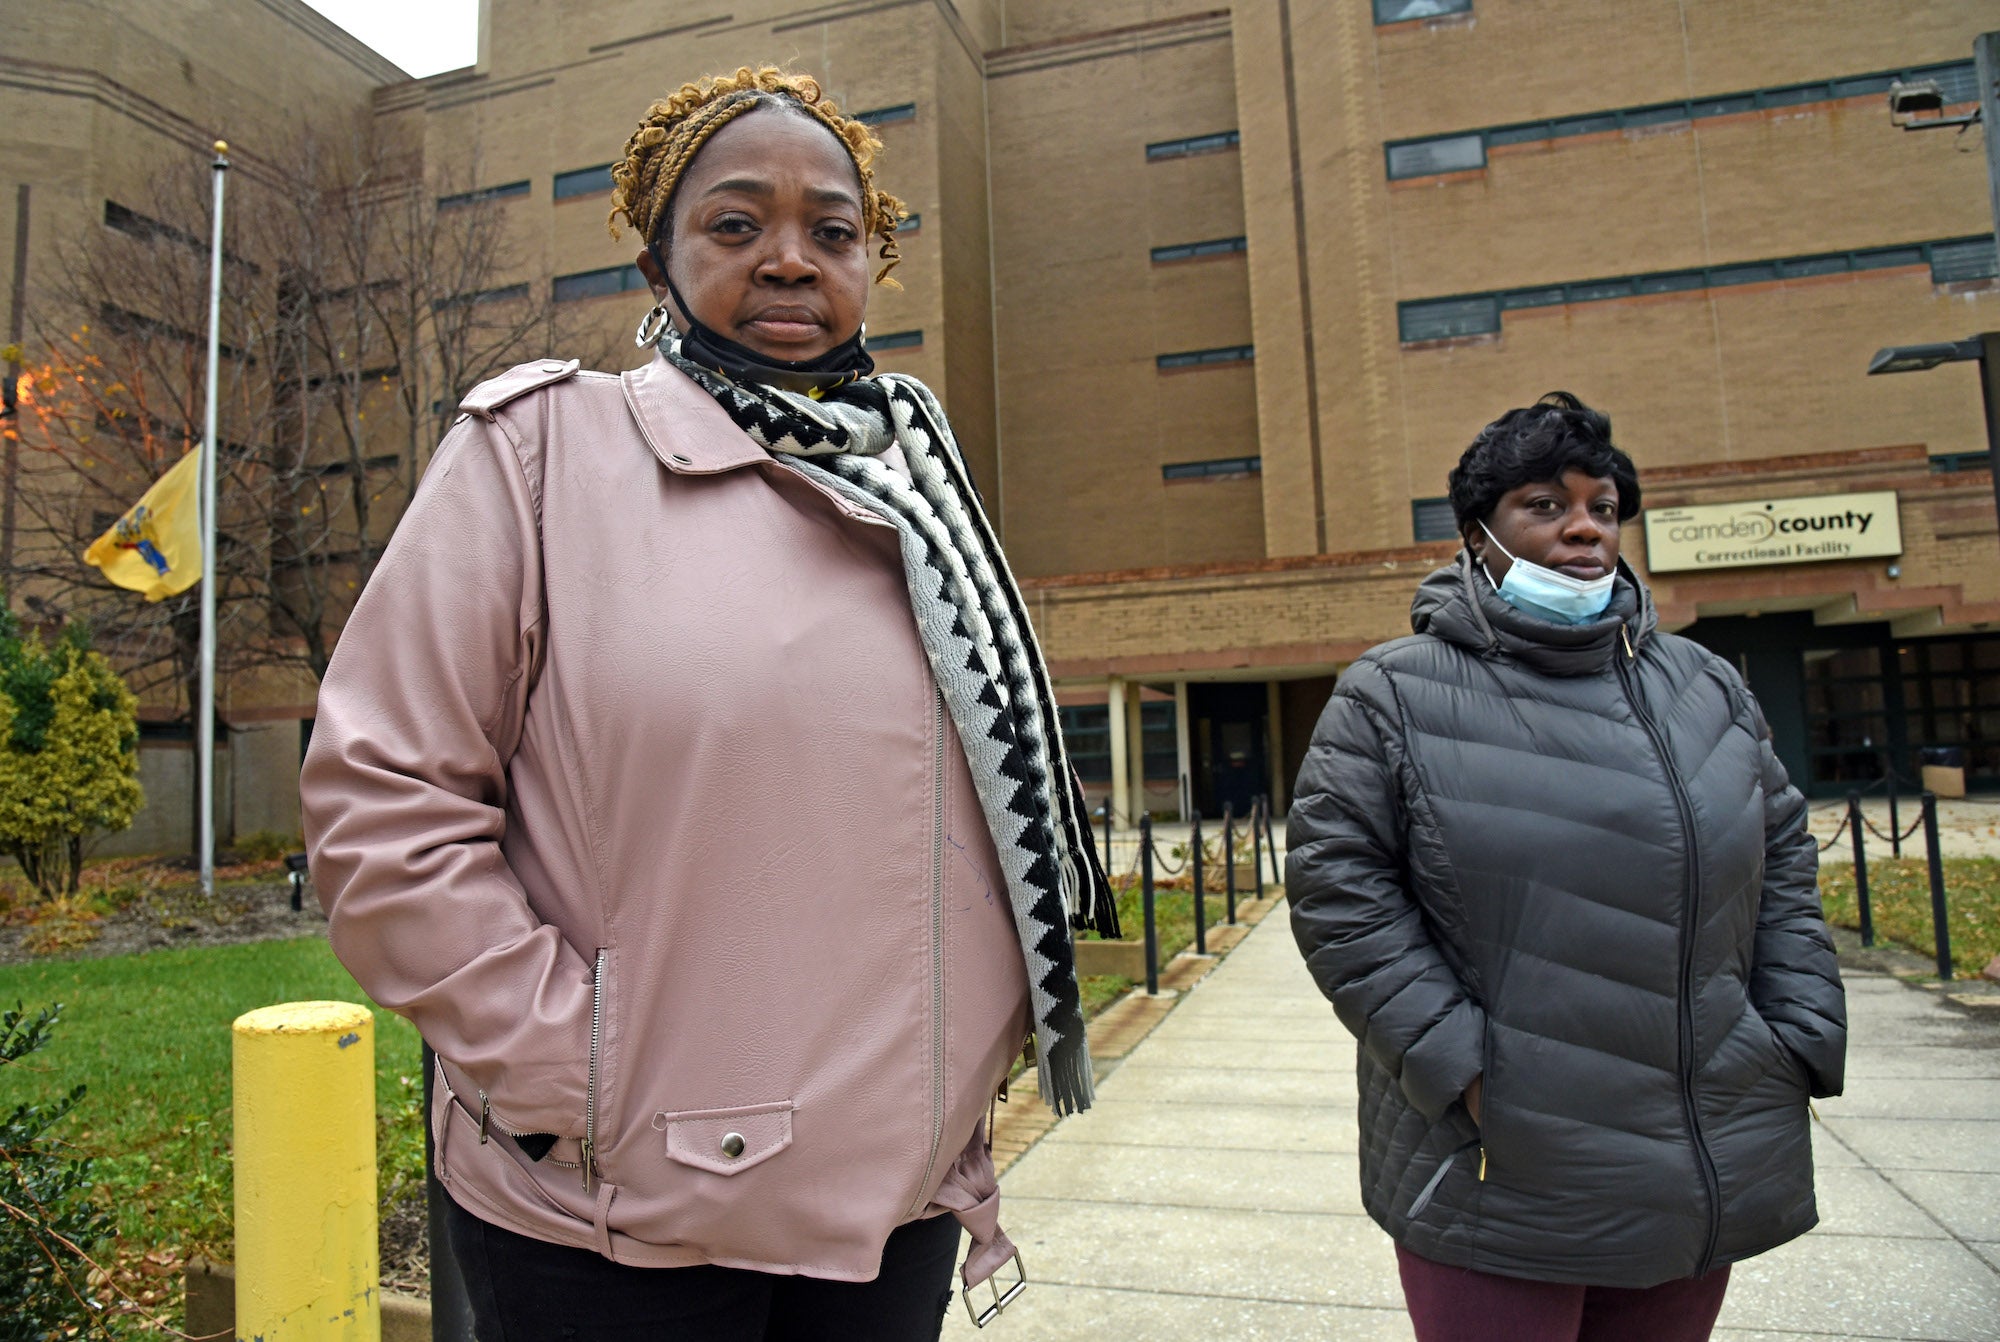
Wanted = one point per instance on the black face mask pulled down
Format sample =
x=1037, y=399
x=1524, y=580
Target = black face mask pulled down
x=708, y=347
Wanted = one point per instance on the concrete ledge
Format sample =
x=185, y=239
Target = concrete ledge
x=211, y=1306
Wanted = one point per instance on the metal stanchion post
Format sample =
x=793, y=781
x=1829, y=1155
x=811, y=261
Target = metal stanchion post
x=1146, y=903
x=1940, y=928
x=451, y=1307
x=1860, y=868
x=1200, y=890
x=1107, y=838
x=1895, y=821
x=1256, y=850
x=1271, y=847
x=1229, y=857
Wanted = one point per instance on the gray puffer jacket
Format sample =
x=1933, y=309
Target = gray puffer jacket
x=1564, y=858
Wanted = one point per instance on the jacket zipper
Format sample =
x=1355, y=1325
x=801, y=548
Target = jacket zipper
x=937, y=947
x=587, y=1151
x=488, y=1125
x=1690, y=911
x=1485, y=1093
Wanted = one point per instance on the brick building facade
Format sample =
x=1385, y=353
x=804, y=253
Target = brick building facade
x=1216, y=295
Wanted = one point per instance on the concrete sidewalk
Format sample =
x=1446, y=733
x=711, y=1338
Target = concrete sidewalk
x=1212, y=1193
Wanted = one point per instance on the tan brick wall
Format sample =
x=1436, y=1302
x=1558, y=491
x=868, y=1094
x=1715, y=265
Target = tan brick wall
x=1087, y=419
x=1516, y=60
x=1042, y=312
x=1725, y=374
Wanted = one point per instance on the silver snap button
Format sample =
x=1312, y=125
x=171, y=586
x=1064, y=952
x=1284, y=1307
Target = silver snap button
x=552, y=368
x=732, y=1144
x=684, y=461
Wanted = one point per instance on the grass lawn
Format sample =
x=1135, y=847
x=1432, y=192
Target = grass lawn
x=1899, y=898
x=1173, y=916
x=149, y=1034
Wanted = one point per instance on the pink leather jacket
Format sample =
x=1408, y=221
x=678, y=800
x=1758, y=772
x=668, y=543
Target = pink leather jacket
x=631, y=788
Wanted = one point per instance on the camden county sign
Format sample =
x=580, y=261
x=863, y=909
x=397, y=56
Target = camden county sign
x=1773, y=531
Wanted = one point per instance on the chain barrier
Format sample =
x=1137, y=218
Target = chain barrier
x=1897, y=839
x=1844, y=821
x=1166, y=866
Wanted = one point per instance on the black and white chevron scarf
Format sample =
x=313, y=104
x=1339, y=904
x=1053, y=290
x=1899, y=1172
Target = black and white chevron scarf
x=983, y=656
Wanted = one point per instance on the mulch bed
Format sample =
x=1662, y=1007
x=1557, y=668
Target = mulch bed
x=168, y=910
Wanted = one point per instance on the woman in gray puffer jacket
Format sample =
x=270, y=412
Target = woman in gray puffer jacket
x=1549, y=872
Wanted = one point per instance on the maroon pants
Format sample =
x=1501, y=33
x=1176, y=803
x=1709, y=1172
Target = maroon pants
x=1456, y=1304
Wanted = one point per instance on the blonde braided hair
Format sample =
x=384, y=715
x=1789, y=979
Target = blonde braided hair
x=658, y=153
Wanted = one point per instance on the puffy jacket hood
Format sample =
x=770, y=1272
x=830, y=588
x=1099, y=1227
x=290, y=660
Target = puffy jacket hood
x=1458, y=604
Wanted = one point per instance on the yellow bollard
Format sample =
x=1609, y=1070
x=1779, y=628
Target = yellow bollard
x=306, y=1265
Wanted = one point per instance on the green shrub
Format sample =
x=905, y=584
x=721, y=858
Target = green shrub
x=47, y=1220
x=69, y=753
x=266, y=845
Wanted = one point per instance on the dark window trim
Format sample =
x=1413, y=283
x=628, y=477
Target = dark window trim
x=504, y=293
x=1951, y=463
x=1213, y=143
x=883, y=116
x=1205, y=358
x=484, y=193
x=1704, y=277
x=628, y=277
x=895, y=340
x=124, y=219
x=126, y=322
x=1209, y=470
x=556, y=183
x=1951, y=73
x=1188, y=251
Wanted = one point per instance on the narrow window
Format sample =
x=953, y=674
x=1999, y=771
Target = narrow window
x=1427, y=158
x=1086, y=730
x=1432, y=519
x=1187, y=251
x=1209, y=470
x=882, y=116
x=583, y=182
x=1965, y=259
x=1448, y=318
x=1399, y=11
x=506, y=293
x=1199, y=144
x=1201, y=358
x=484, y=193
x=596, y=283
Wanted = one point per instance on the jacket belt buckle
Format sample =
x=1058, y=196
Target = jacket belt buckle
x=982, y=1317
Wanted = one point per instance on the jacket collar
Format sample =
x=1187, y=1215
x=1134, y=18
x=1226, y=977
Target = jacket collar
x=687, y=430
x=1459, y=605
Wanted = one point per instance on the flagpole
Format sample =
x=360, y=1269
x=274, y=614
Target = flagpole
x=205, y=710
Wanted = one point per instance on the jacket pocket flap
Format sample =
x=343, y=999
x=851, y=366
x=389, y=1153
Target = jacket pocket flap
x=727, y=1141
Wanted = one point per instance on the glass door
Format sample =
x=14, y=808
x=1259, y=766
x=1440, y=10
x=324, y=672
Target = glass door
x=1848, y=716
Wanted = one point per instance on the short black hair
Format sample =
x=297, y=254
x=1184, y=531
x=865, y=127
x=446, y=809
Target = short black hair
x=1535, y=443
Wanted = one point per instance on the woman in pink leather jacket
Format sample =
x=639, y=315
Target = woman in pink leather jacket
x=689, y=775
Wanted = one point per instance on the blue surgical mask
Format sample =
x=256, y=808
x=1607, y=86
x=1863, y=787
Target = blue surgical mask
x=1545, y=592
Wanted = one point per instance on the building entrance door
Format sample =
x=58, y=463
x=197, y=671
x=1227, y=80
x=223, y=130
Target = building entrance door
x=1231, y=753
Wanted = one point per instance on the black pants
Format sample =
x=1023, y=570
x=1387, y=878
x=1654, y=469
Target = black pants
x=527, y=1290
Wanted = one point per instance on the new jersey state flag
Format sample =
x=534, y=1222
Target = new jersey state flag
x=155, y=548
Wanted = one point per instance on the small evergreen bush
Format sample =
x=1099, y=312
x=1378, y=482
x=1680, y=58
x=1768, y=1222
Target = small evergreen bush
x=47, y=1219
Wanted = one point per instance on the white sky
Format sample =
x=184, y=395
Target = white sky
x=422, y=36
